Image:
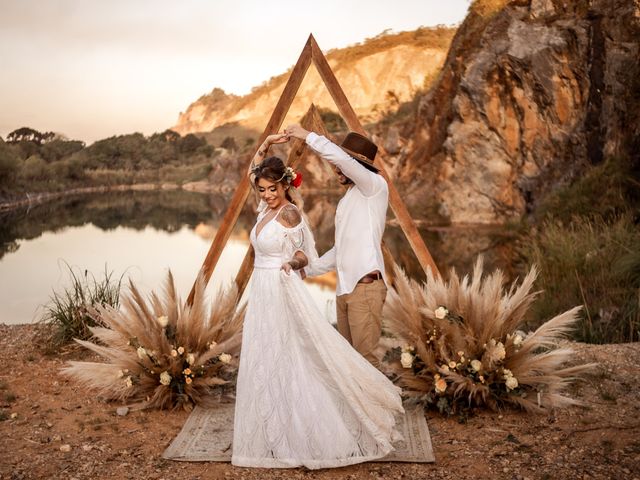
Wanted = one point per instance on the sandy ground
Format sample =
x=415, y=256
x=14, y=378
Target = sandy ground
x=51, y=428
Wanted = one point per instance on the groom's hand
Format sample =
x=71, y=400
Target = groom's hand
x=296, y=131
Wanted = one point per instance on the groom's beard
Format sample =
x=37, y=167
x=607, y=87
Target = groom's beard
x=342, y=178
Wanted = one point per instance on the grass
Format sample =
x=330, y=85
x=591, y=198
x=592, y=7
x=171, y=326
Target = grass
x=605, y=191
x=593, y=262
x=66, y=313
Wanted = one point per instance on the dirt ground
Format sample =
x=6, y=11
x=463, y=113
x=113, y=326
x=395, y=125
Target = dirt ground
x=51, y=428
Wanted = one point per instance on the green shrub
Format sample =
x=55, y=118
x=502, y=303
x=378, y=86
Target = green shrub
x=66, y=314
x=9, y=164
x=595, y=263
x=34, y=168
x=603, y=191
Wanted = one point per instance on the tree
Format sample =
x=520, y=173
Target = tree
x=9, y=164
x=229, y=143
x=26, y=134
x=190, y=143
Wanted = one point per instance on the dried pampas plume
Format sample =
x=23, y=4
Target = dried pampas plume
x=463, y=347
x=162, y=353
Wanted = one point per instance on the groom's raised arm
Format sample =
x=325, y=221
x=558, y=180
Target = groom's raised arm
x=365, y=180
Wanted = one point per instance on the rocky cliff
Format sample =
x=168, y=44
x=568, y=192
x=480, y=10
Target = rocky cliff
x=531, y=93
x=377, y=75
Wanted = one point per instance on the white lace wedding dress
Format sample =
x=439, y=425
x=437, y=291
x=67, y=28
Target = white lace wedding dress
x=304, y=395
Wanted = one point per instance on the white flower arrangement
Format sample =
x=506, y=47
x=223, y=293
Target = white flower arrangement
x=441, y=313
x=406, y=359
x=165, y=378
x=163, y=320
x=476, y=365
x=480, y=359
x=141, y=359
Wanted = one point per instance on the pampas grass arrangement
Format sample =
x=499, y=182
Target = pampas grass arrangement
x=163, y=354
x=463, y=347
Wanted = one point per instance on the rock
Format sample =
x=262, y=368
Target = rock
x=122, y=411
x=521, y=106
x=376, y=81
x=65, y=448
x=14, y=415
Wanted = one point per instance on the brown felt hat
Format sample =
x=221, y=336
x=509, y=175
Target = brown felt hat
x=360, y=148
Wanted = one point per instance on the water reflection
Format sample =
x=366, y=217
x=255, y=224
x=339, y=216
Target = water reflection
x=146, y=233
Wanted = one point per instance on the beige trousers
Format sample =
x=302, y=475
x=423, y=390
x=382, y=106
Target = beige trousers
x=359, y=315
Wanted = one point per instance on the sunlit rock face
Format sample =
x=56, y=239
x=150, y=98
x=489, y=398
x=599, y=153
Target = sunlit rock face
x=376, y=76
x=530, y=93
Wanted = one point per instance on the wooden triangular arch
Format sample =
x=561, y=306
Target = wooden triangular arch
x=311, y=121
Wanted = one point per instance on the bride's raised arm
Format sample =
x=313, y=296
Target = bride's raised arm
x=264, y=148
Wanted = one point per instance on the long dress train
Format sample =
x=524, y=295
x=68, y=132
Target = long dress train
x=304, y=395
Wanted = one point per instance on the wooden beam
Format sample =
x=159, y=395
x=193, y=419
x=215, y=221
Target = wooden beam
x=397, y=205
x=242, y=192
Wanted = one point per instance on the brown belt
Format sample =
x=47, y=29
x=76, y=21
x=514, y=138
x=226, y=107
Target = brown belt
x=370, y=277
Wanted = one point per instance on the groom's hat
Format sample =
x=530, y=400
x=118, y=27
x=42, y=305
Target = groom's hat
x=360, y=148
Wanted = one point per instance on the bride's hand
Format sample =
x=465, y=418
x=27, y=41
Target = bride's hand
x=286, y=267
x=277, y=138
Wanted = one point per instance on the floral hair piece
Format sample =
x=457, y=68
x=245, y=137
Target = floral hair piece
x=292, y=177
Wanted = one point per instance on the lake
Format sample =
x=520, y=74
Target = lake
x=141, y=235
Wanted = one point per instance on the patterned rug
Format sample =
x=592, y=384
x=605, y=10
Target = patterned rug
x=207, y=434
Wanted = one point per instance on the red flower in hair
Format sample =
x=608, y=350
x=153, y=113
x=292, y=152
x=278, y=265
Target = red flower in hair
x=297, y=180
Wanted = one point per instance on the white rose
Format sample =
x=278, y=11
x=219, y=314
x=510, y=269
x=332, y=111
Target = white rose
x=476, y=365
x=500, y=351
x=191, y=358
x=517, y=340
x=165, y=378
x=120, y=373
x=511, y=382
x=128, y=382
x=212, y=345
x=406, y=359
x=441, y=312
x=224, y=357
x=141, y=353
x=163, y=320
x=180, y=350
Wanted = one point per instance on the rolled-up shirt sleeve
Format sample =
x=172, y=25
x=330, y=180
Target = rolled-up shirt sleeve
x=326, y=263
x=365, y=180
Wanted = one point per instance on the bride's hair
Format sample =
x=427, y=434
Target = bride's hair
x=274, y=169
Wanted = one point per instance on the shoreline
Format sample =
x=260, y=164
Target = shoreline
x=30, y=199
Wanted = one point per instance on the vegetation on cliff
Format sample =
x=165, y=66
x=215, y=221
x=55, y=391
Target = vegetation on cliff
x=34, y=162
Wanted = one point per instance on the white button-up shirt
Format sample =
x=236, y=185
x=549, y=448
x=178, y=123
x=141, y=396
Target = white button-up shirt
x=360, y=220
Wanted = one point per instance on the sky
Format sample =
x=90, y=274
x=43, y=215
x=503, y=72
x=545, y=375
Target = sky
x=90, y=69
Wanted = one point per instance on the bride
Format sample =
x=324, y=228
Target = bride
x=305, y=397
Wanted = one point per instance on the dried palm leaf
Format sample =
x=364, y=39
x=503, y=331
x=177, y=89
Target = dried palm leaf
x=463, y=347
x=163, y=353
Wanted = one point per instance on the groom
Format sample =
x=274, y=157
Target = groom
x=357, y=252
